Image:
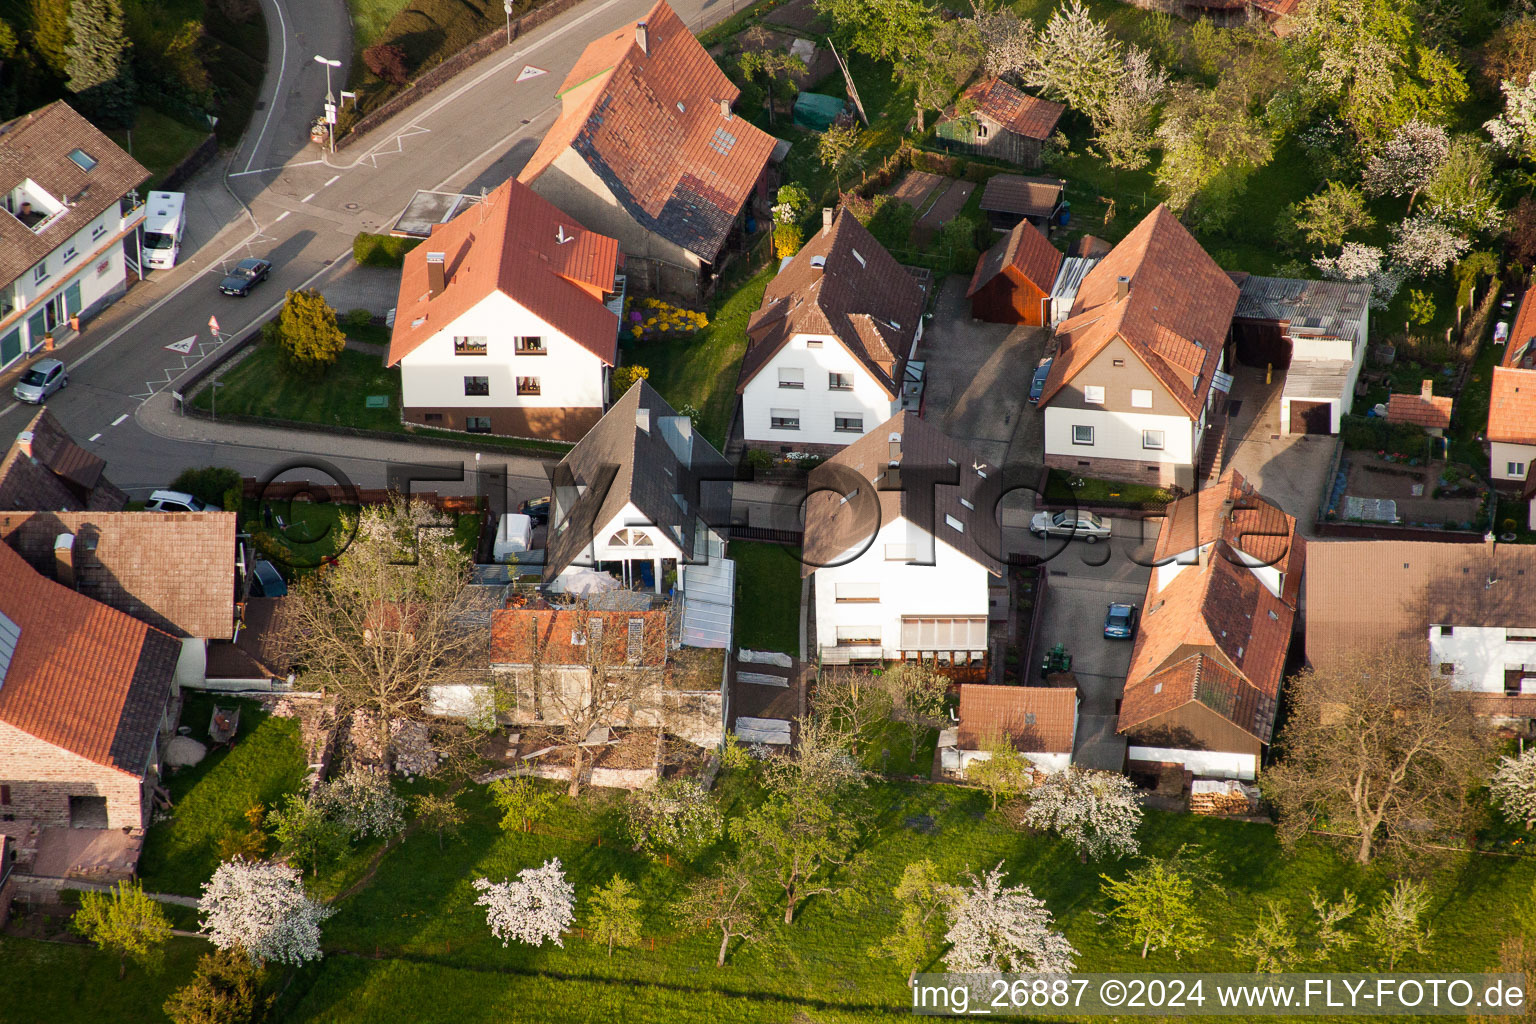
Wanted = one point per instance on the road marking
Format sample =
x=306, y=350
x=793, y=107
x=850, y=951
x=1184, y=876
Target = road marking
x=307, y=198
x=281, y=216
x=92, y=438
x=282, y=69
x=119, y=419
x=279, y=167
x=334, y=179
x=529, y=71
x=183, y=346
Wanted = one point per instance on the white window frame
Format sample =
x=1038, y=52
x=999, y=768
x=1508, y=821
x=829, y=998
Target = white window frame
x=856, y=593
x=1146, y=440
x=833, y=378
x=1515, y=469
x=792, y=377
x=1141, y=398
x=1093, y=394
x=791, y=418
x=849, y=417
x=1076, y=437
x=40, y=272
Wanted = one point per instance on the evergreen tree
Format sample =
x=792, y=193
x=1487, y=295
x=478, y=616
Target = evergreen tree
x=99, y=63
x=50, y=33
x=307, y=330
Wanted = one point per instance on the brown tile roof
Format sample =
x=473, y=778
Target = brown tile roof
x=1278, y=8
x=1365, y=594
x=1020, y=113
x=1215, y=633
x=651, y=127
x=172, y=570
x=1039, y=719
x=1521, y=348
x=860, y=295
x=519, y=634
x=1090, y=246
x=1028, y=197
x=833, y=526
x=511, y=242
x=1174, y=317
x=57, y=474
x=1024, y=249
x=1512, y=406
x=1424, y=409
x=37, y=146
x=82, y=676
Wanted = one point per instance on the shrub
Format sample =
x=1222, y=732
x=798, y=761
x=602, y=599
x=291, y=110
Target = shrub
x=786, y=239
x=370, y=250
x=387, y=61
x=211, y=485
x=308, y=332
x=358, y=318
x=624, y=378
x=759, y=459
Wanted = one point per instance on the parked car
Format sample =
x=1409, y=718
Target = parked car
x=42, y=379
x=268, y=582
x=536, y=509
x=1037, y=384
x=177, y=501
x=246, y=275
x=1082, y=525
x=1120, y=621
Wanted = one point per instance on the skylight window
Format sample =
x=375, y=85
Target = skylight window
x=82, y=159
x=10, y=634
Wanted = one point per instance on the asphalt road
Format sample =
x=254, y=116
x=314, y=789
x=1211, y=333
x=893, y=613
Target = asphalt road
x=282, y=198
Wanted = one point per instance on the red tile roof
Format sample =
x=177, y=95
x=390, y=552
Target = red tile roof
x=518, y=634
x=649, y=122
x=1175, y=315
x=515, y=242
x=1026, y=251
x=1424, y=409
x=1019, y=113
x=56, y=474
x=82, y=676
x=1039, y=719
x=1512, y=406
x=859, y=295
x=1233, y=512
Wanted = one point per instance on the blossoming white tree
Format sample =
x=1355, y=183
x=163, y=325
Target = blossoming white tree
x=1407, y=161
x=539, y=906
x=1097, y=812
x=1513, y=787
x=997, y=927
x=1515, y=129
x=674, y=815
x=363, y=803
x=262, y=908
x=1366, y=263
x=1425, y=245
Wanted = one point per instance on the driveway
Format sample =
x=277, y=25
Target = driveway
x=978, y=379
x=1287, y=470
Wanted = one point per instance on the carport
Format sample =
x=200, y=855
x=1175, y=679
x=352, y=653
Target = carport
x=1314, y=397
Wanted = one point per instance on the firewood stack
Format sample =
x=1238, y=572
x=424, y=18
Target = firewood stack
x=1212, y=797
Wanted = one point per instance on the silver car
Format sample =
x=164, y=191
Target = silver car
x=42, y=379
x=1082, y=525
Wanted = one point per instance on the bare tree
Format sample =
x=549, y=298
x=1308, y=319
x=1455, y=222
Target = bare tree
x=850, y=701
x=382, y=626
x=1379, y=747
x=728, y=901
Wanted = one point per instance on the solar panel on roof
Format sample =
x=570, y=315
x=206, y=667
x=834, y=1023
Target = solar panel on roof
x=722, y=141
x=10, y=635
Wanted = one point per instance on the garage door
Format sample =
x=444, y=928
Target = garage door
x=1311, y=418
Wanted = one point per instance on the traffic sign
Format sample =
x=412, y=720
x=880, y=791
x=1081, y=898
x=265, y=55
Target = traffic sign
x=330, y=113
x=184, y=346
x=213, y=324
x=529, y=71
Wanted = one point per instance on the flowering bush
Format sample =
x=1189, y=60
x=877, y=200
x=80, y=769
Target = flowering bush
x=262, y=908
x=540, y=905
x=674, y=815
x=653, y=319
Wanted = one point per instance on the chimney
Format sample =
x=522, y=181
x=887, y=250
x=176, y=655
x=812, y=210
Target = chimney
x=24, y=443
x=435, y=269
x=826, y=220
x=725, y=109
x=1205, y=553
x=1427, y=390
x=895, y=448
x=64, y=559
x=1122, y=286
x=643, y=37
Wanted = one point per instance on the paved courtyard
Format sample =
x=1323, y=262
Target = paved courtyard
x=1288, y=470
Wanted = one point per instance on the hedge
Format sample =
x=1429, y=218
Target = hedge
x=370, y=250
x=1375, y=434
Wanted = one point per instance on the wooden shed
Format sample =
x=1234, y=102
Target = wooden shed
x=1013, y=279
x=999, y=123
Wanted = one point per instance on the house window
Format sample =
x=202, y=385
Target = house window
x=477, y=424
x=473, y=345
x=1093, y=394
x=982, y=131
x=848, y=423
x=70, y=254
x=98, y=231
x=1082, y=434
x=1515, y=469
x=530, y=346
x=953, y=523
x=857, y=593
x=1141, y=398
x=967, y=504
x=791, y=377
x=839, y=382
x=1519, y=636
x=1152, y=440
x=82, y=159
x=1447, y=630
x=1119, y=362
x=40, y=272
x=813, y=343
x=784, y=419
x=858, y=636
x=5, y=796
x=528, y=386
x=477, y=386
x=1447, y=668
x=433, y=417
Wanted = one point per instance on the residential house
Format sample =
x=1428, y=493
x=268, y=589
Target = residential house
x=1512, y=405
x=1008, y=199
x=503, y=324
x=646, y=149
x=1014, y=279
x=1216, y=624
x=1039, y=722
x=1466, y=606
x=994, y=120
x=44, y=469
x=830, y=348
x=1316, y=332
x=69, y=225
x=1133, y=391
x=639, y=501
x=901, y=566
x=1423, y=409
x=87, y=695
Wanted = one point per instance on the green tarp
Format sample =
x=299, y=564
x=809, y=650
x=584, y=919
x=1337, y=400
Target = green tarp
x=817, y=111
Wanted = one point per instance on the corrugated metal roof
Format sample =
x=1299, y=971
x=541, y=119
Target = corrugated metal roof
x=1325, y=309
x=1317, y=379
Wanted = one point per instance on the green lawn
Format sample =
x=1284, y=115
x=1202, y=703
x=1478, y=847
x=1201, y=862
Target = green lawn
x=1061, y=488
x=159, y=142
x=315, y=531
x=69, y=983
x=767, y=597
x=369, y=19
x=211, y=798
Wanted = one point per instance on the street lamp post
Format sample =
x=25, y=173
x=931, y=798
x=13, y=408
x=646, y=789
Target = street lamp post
x=330, y=100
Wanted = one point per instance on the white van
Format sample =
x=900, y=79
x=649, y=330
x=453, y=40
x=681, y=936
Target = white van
x=164, y=221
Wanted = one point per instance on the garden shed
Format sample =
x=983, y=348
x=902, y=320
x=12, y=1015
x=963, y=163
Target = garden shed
x=815, y=111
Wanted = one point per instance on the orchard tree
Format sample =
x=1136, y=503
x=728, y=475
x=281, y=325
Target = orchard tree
x=440, y=813
x=1423, y=245
x=771, y=65
x=1513, y=788
x=363, y=803
x=225, y=989
x=261, y=907
x=882, y=29
x=1124, y=132
x=124, y=921
x=836, y=149
x=1325, y=217
x=1097, y=812
x=923, y=897
x=616, y=913
x=522, y=802
x=536, y=908
x=50, y=34
x=1000, y=928
x=936, y=65
x=1514, y=131
x=99, y=61
x=1210, y=147
x=1510, y=55
x=1407, y=161
x=1365, y=264
x=1278, y=944
x=1462, y=193
x=1385, y=780
x=1004, y=773
x=1154, y=905
x=673, y=815
x=307, y=331
x=727, y=901
x=1395, y=928
x=306, y=833
x=1520, y=233
x=850, y=701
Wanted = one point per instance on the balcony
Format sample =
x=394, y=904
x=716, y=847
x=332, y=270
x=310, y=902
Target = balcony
x=33, y=206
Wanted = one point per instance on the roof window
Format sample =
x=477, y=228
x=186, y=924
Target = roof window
x=82, y=159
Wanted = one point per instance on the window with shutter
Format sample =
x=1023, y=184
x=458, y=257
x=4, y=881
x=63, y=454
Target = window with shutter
x=636, y=640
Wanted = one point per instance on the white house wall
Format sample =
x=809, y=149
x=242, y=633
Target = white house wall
x=957, y=760
x=817, y=404
x=1209, y=763
x=1480, y=655
x=569, y=374
x=1502, y=453
x=1118, y=435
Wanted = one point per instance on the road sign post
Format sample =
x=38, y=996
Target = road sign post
x=506, y=6
x=213, y=325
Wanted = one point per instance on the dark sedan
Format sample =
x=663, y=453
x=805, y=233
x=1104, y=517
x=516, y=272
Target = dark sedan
x=536, y=509
x=1037, y=383
x=246, y=275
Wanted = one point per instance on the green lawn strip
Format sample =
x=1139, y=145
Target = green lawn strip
x=369, y=19
x=159, y=142
x=768, y=596
x=1067, y=487
x=236, y=60
x=73, y=983
x=313, y=531
x=210, y=799
x=888, y=748
x=701, y=369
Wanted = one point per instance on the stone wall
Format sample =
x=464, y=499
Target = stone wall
x=41, y=778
